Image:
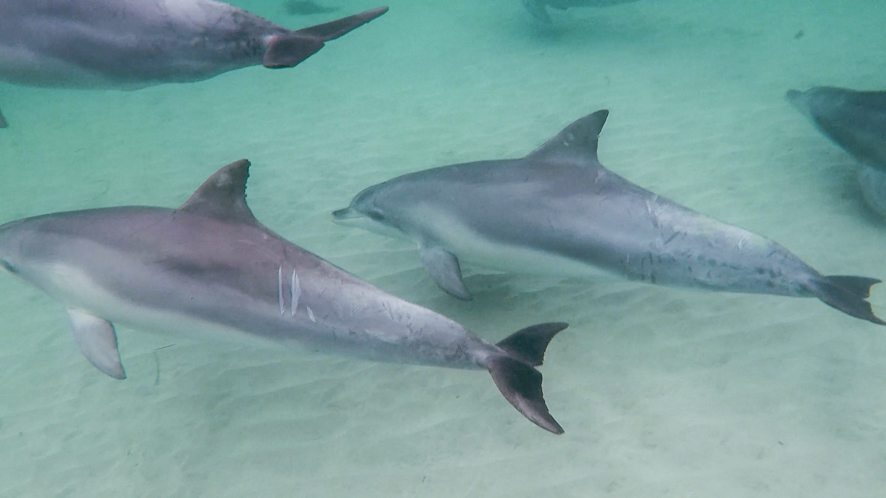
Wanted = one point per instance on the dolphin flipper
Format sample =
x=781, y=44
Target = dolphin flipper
x=515, y=375
x=538, y=11
x=3, y=123
x=443, y=267
x=97, y=341
x=291, y=48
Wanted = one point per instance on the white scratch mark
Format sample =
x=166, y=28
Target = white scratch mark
x=280, y=289
x=294, y=293
x=311, y=314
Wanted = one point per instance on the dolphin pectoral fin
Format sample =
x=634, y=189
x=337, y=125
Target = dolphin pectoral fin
x=334, y=29
x=538, y=11
x=3, y=123
x=443, y=267
x=97, y=341
x=849, y=295
x=517, y=379
x=577, y=142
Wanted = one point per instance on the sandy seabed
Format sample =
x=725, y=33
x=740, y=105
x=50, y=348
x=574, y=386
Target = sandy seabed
x=663, y=392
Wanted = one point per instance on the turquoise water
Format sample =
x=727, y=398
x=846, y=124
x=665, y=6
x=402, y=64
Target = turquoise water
x=662, y=392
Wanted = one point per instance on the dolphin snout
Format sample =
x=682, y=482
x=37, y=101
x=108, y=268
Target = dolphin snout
x=792, y=96
x=346, y=214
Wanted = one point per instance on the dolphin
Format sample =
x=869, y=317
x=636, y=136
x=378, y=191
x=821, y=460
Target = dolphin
x=3, y=123
x=137, y=43
x=559, y=211
x=538, y=8
x=209, y=267
x=856, y=121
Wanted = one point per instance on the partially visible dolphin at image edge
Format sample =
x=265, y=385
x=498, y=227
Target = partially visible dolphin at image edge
x=856, y=121
x=211, y=267
x=138, y=43
x=559, y=211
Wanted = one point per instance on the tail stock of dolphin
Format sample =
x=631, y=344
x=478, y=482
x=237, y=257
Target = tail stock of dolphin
x=288, y=50
x=516, y=377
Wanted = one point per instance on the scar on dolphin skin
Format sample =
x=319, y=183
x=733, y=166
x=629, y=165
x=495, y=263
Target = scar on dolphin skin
x=294, y=293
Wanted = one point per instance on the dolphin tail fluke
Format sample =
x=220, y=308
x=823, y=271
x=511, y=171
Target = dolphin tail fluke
x=849, y=295
x=290, y=49
x=515, y=375
x=3, y=123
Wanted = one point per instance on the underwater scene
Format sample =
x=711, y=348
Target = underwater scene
x=678, y=206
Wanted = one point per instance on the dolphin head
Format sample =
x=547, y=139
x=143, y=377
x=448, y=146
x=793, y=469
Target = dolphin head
x=372, y=209
x=800, y=100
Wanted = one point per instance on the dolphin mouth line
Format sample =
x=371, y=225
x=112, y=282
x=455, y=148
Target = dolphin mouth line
x=346, y=214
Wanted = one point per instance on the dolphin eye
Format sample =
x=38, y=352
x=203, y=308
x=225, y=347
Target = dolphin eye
x=376, y=215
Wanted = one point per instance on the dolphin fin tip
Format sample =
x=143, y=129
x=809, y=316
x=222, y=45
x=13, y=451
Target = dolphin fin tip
x=340, y=27
x=520, y=384
x=849, y=294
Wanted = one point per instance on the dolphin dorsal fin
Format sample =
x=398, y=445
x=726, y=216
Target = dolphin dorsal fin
x=577, y=142
x=223, y=195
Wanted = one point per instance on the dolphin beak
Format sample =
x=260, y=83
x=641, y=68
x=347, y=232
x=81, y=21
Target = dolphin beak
x=795, y=97
x=346, y=214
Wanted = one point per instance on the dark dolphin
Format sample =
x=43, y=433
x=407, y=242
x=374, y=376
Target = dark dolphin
x=856, y=121
x=559, y=211
x=210, y=268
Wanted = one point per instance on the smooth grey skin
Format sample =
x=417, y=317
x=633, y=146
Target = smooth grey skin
x=210, y=268
x=538, y=8
x=558, y=211
x=137, y=43
x=856, y=121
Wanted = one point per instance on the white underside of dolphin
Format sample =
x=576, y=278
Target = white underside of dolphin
x=558, y=211
x=209, y=269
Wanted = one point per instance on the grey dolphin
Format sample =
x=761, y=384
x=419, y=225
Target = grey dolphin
x=538, y=8
x=856, y=121
x=210, y=267
x=137, y=43
x=559, y=211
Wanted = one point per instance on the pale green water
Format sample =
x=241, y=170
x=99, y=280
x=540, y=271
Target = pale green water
x=662, y=392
